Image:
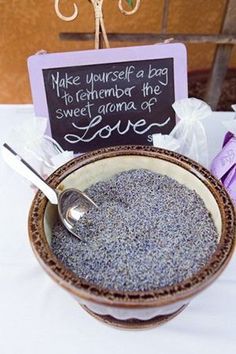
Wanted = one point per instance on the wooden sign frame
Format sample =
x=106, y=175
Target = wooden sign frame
x=38, y=63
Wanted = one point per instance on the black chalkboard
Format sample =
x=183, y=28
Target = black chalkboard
x=95, y=106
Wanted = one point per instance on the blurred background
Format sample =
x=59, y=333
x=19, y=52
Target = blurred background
x=27, y=26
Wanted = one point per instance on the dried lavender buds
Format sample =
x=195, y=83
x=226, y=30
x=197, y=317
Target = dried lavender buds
x=149, y=232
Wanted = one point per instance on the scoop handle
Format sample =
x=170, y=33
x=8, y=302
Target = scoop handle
x=17, y=163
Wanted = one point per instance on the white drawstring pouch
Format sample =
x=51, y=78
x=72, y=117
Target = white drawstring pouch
x=167, y=142
x=188, y=136
x=28, y=139
x=189, y=131
x=230, y=124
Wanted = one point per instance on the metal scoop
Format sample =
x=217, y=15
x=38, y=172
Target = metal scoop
x=72, y=203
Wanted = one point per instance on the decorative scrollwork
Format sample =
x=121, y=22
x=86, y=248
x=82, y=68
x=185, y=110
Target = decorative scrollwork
x=66, y=18
x=131, y=12
x=98, y=14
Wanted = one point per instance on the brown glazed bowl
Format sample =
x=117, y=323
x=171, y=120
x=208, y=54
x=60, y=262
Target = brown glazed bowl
x=133, y=309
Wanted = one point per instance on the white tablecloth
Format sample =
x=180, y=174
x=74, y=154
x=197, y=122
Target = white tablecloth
x=37, y=316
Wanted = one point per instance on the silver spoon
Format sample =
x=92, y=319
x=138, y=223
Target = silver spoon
x=72, y=203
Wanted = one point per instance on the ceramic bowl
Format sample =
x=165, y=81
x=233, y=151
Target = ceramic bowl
x=133, y=309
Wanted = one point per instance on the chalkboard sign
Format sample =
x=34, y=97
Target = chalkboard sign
x=113, y=101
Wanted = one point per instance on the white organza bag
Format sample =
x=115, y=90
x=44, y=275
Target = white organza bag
x=28, y=139
x=165, y=142
x=230, y=124
x=188, y=136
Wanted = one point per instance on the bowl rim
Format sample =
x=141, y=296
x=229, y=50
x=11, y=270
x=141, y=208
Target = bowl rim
x=155, y=298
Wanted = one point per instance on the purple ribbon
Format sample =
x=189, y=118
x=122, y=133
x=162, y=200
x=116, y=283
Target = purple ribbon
x=224, y=165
